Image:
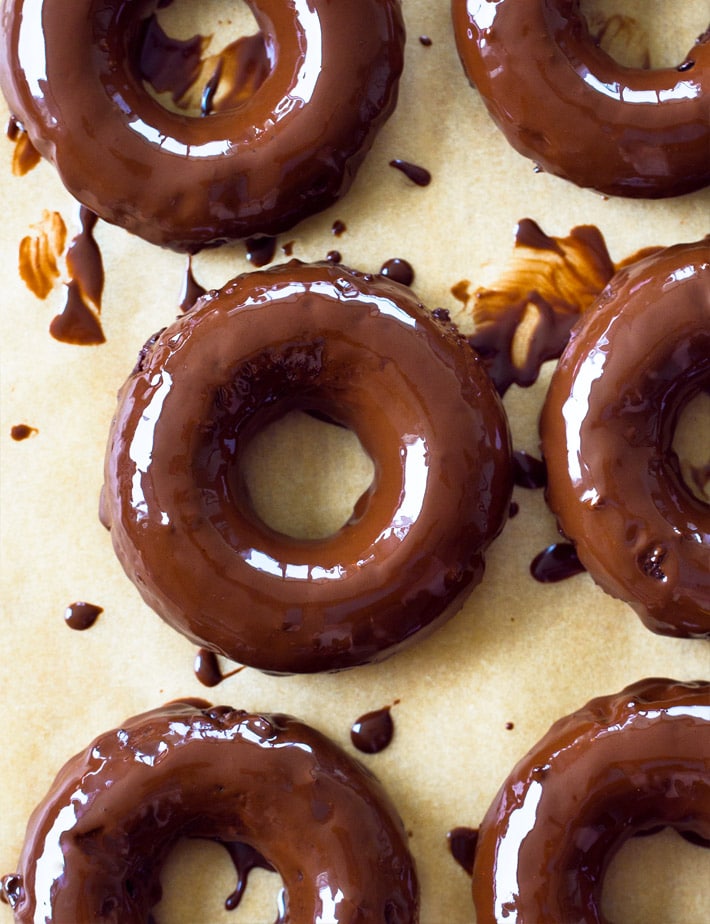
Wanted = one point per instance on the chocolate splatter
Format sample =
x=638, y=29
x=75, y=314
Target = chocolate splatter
x=526, y=318
x=39, y=252
x=418, y=175
x=260, y=250
x=22, y=431
x=373, y=731
x=81, y=616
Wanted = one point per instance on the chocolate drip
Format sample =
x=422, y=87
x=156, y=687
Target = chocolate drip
x=191, y=289
x=462, y=844
x=418, y=175
x=207, y=668
x=528, y=472
x=373, y=731
x=260, y=250
x=556, y=563
x=245, y=859
x=399, y=270
x=22, y=432
x=81, y=616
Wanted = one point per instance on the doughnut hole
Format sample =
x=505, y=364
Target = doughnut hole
x=197, y=879
x=305, y=475
x=198, y=58
x=691, y=444
x=641, y=885
x=646, y=33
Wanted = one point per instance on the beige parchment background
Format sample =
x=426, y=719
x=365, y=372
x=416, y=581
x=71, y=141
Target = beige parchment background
x=519, y=652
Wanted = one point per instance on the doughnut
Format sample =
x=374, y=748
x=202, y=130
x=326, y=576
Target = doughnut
x=289, y=151
x=632, y=365
x=361, y=351
x=624, y=764
x=563, y=102
x=96, y=844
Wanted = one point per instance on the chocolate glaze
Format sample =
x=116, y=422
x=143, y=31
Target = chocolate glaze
x=315, y=338
x=288, y=151
x=373, y=731
x=556, y=563
x=563, y=102
x=81, y=615
x=418, y=175
x=607, y=427
x=116, y=810
x=621, y=765
x=462, y=844
x=22, y=431
x=398, y=269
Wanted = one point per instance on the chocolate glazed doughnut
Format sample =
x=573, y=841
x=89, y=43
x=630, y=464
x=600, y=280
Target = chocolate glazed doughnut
x=622, y=765
x=632, y=364
x=562, y=101
x=289, y=151
x=363, y=352
x=96, y=844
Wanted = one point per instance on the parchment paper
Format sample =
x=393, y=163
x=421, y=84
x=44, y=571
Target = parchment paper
x=520, y=652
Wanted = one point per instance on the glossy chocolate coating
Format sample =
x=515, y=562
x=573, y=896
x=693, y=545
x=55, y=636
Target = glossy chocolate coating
x=614, y=482
x=622, y=765
x=69, y=73
x=566, y=104
x=363, y=352
x=96, y=844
